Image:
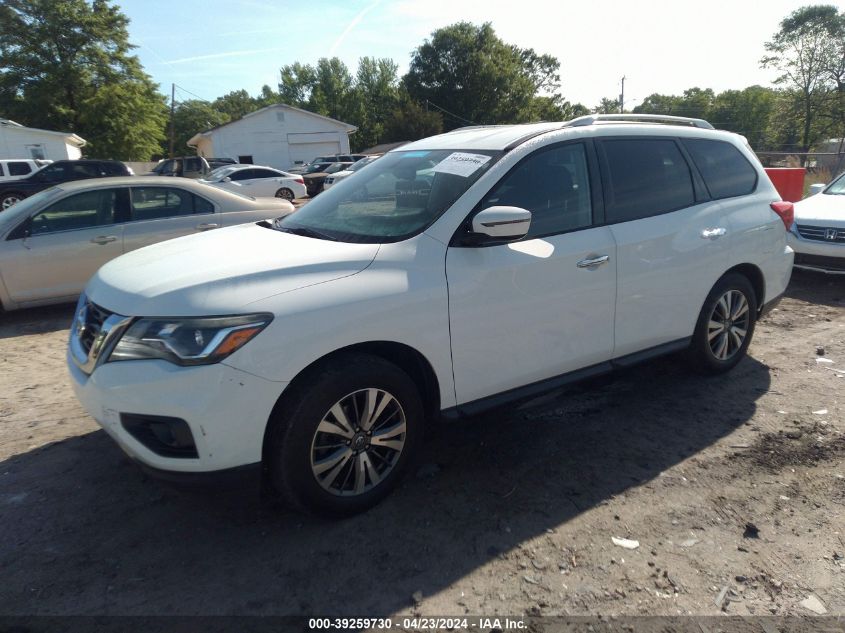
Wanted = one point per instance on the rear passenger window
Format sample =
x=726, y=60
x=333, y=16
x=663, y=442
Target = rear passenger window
x=18, y=169
x=554, y=185
x=152, y=203
x=726, y=172
x=646, y=177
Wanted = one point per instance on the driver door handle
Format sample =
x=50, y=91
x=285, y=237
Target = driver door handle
x=207, y=226
x=594, y=261
x=103, y=239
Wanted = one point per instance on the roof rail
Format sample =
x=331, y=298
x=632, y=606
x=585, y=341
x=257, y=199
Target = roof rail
x=642, y=118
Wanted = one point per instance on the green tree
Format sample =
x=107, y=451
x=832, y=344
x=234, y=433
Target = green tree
x=376, y=93
x=607, y=106
x=748, y=112
x=803, y=51
x=190, y=118
x=236, y=104
x=67, y=65
x=410, y=121
x=472, y=76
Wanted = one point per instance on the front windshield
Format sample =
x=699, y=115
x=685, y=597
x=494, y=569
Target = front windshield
x=316, y=167
x=221, y=172
x=361, y=163
x=399, y=196
x=837, y=187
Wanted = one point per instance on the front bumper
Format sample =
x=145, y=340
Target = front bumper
x=826, y=257
x=225, y=409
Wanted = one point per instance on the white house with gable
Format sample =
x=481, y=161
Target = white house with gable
x=279, y=136
x=18, y=141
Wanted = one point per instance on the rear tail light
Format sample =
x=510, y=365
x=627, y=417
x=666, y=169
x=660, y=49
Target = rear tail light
x=301, y=181
x=786, y=212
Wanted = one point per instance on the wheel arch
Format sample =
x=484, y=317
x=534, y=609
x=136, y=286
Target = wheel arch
x=408, y=359
x=755, y=276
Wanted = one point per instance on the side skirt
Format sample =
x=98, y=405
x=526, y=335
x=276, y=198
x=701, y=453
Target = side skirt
x=498, y=400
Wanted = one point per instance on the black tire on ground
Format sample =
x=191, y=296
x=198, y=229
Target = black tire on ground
x=292, y=454
x=729, y=310
x=9, y=198
x=285, y=193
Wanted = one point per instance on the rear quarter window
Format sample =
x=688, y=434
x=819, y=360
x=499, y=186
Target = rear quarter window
x=18, y=168
x=726, y=172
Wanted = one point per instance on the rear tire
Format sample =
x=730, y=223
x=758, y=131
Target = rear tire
x=9, y=199
x=725, y=325
x=344, y=435
x=285, y=194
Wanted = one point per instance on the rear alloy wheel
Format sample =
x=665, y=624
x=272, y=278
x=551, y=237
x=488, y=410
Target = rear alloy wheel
x=10, y=199
x=342, y=436
x=285, y=193
x=725, y=325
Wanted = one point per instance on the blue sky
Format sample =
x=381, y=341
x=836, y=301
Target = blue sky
x=211, y=47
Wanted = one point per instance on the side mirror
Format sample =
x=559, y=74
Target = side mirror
x=227, y=179
x=502, y=223
x=816, y=188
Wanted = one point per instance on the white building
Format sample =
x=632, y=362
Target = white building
x=17, y=141
x=279, y=136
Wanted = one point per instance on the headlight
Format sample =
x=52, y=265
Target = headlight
x=196, y=341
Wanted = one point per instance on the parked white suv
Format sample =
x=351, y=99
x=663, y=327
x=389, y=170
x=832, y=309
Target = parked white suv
x=506, y=260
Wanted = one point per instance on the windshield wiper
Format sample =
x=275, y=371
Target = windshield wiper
x=306, y=232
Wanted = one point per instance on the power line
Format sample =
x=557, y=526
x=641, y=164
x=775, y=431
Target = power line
x=191, y=93
x=454, y=116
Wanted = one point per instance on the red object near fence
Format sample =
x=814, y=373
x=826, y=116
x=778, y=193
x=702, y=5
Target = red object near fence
x=789, y=181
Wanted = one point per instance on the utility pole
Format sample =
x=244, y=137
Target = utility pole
x=622, y=97
x=172, y=110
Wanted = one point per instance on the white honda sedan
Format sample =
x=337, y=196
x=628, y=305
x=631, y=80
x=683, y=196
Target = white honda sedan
x=53, y=241
x=258, y=181
x=818, y=234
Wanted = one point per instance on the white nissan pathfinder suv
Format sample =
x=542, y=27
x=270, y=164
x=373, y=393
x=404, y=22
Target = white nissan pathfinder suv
x=493, y=263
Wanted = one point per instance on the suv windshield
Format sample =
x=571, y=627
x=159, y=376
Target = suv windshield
x=837, y=187
x=396, y=198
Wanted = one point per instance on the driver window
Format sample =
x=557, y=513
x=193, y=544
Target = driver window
x=554, y=185
x=80, y=211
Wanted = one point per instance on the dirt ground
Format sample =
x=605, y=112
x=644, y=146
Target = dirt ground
x=734, y=488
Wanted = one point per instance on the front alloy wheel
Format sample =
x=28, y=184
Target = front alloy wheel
x=343, y=434
x=358, y=442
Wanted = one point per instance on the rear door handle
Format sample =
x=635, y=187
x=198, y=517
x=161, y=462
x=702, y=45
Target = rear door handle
x=103, y=239
x=593, y=261
x=713, y=234
x=207, y=226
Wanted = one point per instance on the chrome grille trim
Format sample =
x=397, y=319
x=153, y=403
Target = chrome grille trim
x=94, y=333
x=819, y=233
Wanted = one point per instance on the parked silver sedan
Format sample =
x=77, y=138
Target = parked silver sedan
x=53, y=241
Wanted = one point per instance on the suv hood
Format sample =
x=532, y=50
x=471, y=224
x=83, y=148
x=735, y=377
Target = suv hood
x=822, y=207
x=221, y=272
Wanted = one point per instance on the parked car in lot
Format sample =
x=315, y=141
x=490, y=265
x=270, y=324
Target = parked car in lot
x=182, y=167
x=508, y=260
x=818, y=234
x=333, y=158
x=52, y=242
x=59, y=172
x=257, y=181
x=343, y=175
x=314, y=179
x=18, y=168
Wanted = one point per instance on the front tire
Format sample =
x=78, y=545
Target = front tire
x=343, y=437
x=285, y=194
x=725, y=325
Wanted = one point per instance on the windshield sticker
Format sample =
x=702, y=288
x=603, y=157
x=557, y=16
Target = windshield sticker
x=461, y=164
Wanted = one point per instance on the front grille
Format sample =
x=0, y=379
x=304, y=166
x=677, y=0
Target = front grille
x=821, y=233
x=95, y=316
x=828, y=263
